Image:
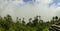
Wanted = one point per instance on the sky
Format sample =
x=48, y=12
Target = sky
x=30, y=8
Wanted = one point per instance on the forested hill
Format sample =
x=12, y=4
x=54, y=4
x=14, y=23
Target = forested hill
x=7, y=24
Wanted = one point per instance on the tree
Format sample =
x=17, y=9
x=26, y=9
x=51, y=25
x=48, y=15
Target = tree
x=8, y=18
x=40, y=20
x=53, y=20
x=20, y=20
x=59, y=20
x=7, y=23
x=56, y=17
x=29, y=23
x=17, y=20
x=0, y=17
x=35, y=21
x=23, y=22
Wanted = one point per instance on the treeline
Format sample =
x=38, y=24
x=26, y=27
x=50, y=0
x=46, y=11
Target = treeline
x=7, y=24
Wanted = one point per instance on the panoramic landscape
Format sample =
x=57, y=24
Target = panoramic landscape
x=29, y=15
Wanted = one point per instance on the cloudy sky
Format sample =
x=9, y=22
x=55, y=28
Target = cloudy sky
x=30, y=8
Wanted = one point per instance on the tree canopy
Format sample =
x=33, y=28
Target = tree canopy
x=7, y=24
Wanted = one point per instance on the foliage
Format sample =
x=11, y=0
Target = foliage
x=7, y=24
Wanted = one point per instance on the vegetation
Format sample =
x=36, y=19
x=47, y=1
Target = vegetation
x=7, y=24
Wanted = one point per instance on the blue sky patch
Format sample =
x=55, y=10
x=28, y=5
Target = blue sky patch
x=26, y=1
x=55, y=3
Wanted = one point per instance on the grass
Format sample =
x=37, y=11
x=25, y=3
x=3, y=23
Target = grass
x=46, y=29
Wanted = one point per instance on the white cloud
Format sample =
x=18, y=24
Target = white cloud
x=29, y=10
